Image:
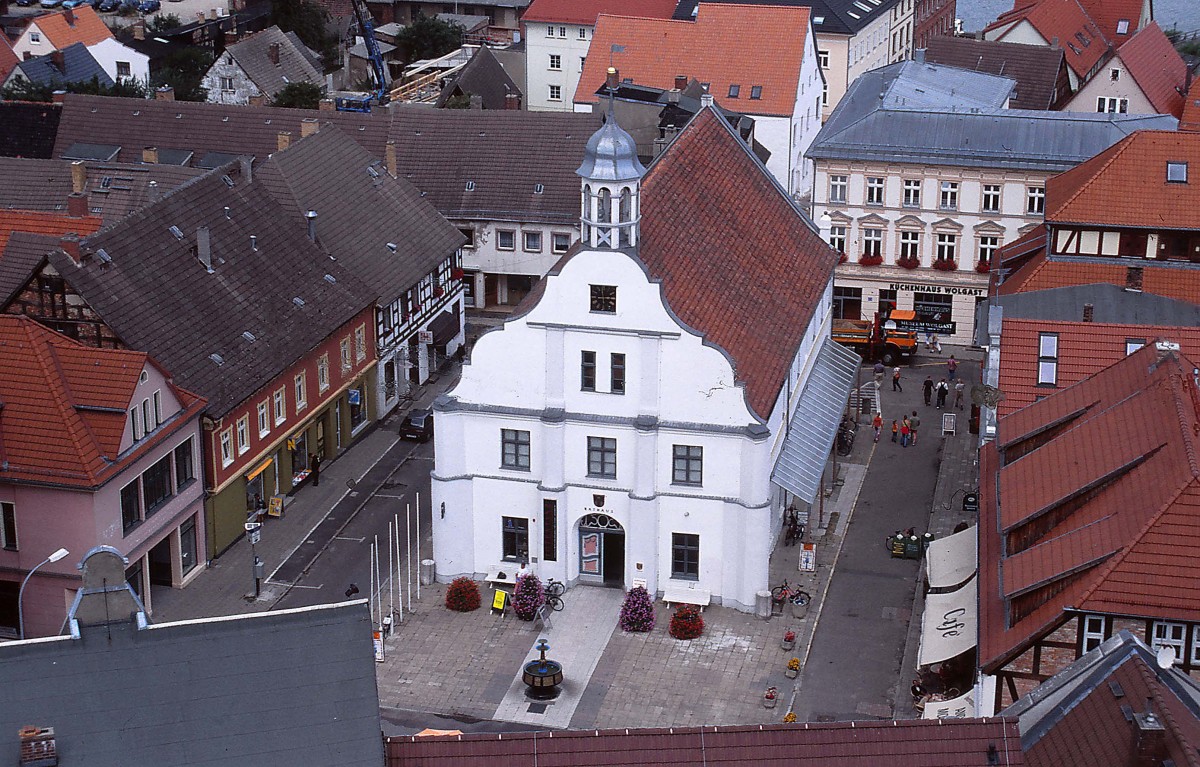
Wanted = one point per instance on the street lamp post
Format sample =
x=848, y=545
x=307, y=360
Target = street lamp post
x=20, y=594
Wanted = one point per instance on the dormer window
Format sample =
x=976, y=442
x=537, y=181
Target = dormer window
x=1177, y=172
x=1083, y=39
x=1123, y=27
x=756, y=92
x=604, y=299
x=734, y=90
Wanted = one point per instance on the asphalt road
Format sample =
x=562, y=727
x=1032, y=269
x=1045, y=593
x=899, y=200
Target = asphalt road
x=344, y=556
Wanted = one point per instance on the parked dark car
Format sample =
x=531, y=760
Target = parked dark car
x=418, y=425
x=108, y=6
x=149, y=6
x=25, y=3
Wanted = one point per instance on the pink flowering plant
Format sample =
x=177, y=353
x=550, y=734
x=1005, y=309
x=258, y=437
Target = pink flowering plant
x=637, y=612
x=528, y=596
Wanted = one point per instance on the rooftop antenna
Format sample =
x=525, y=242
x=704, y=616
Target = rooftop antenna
x=612, y=80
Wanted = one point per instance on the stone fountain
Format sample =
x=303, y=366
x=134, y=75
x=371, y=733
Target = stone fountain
x=542, y=677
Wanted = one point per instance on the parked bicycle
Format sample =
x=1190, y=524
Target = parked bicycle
x=845, y=436
x=793, y=531
x=554, y=591
x=784, y=593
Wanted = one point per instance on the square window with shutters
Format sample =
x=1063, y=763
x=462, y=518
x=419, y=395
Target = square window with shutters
x=131, y=509
x=8, y=526
x=514, y=449
x=603, y=299
x=549, y=530
x=514, y=533
x=185, y=470
x=156, y=485
x=602, y=457
x=687, y=466
x=685, y=556
x=587, y=370
x=617, y=373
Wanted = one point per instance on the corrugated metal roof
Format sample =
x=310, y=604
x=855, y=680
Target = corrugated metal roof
x=926, y=86
x=815, y=421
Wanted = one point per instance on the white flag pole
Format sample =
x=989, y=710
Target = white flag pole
x=396, y=521
x=418, y=546
x=408, y=550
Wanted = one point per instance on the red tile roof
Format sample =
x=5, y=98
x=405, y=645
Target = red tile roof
x=1109, y=13
x=1126, y=185
x=1095, y=509
x=87, y=28
x=744, y=45
x=1157, y=68
x=1190, y=120
x=63, y=410
x=1084, y=349
x=37, y=222
x=586, y=11
x=8, y=58
x=726, y=242
x=915, y=743
x=1081, y=40
x=1042, y=272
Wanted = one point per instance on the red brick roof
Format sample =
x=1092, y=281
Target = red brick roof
x=1108, y=13
x=8, y=58
x=37, y=222
x=744, y=45
x=1095, y=509
x=1157, y=68
x=87, y=27
x=586, y=11
x=1081, y=40
x=727, y=243
x=1042, y=272
x=915, y=743
x=1190, y=121
x=63, y=406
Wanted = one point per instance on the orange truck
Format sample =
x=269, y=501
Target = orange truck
x=876, y=339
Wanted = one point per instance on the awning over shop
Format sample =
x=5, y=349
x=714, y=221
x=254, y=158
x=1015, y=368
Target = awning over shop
x=950, y=625
x=444, y=327
x=962, y=707
x=951, y=560
x=259, y=469
x=814, y=423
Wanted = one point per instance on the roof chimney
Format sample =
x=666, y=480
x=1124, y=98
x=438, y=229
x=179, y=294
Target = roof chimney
x=139, y=29
x=78, y=176
x=59, y=61
x=204, y=248
x=706, y=100
x=1133, y=279
x=283, y=140
x=69, y=17
x=77, y=204
x=680, y=82
x=311, y=216
x=150, y=155
x=512, y=101
x=1089, y=312
x=273, y=52
x=476, y=101
x=253, y=242
x=70, y=245
x=613, y=79
x=231, y=37
x=919, y=55
x=38, y=747
x=1149, y=741
x=165, y=93
x=152, y=191
x=246, y=169
x=673, y=95
x=309, y=126
x=389, y=154
x=59, y=97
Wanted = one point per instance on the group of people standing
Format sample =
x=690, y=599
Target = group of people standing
x=905, y=429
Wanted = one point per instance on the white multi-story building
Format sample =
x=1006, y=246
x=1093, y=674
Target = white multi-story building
x=856, y=36
x=637, y=419
x=921, y=175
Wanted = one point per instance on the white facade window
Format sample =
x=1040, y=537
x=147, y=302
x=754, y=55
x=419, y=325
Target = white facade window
x=582, y=61
x=562, y=31
x=301, y=391
x=823, y=59
x=514, y=449
x=360, y=343
x=344, y=348
x=550, y=31
x=947, y=247
x=991, y=198
x=135, y=422
x=555, y=93
x=949, y=198
x=875, y=190
x=123, y=69
x=323, y=372
x=910, y=245
x=825, y=95
x=35, y=37
x=506, y=239
x=264, y=419
x=912, y=192
x=837, y=238
x=1164, y=634
x=555, y=62
x=1093, y=632
x=559, y=242
x=280, y=401
x=243, y=434
x=583, y=33
x=1133, y=344
x=837, y=188
x=1114, y=75
x=1048, y=358
x=988, y=245
x=1035, y=199
x=872, y=242
x=156, y=398
x=1112, y=105
x=602, y=457
x=226, y=447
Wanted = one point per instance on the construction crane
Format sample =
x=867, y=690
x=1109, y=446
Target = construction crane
x=362, y=102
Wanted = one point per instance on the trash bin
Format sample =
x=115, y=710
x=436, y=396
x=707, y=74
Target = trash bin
x=762, y=604
x=428, y=571
x=913, y=547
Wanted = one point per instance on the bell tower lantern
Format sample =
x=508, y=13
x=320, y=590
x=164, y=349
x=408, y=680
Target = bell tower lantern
x=611, y=176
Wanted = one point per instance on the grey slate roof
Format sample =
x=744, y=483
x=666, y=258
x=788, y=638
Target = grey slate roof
x=1035, y=67
x=28, y=129
x=840, y=17
x=252, y=54
x=114, y=189
x=79, y=66
x=21, y=257
x=483, y=76
x=290, y=688
x=917, y=85
x=158, y=298
x=505, y=153
x=860, y=128
x=360, y=209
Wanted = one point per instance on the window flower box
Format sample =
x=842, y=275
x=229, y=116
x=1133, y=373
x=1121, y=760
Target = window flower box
x=911, y=262
x=843, y=258
x=456, y=273
x=870, y=260
x=983, y=267
x=945, y=265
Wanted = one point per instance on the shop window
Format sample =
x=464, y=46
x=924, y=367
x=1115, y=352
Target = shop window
x=847, y=303
x=298, y=453
x=185, y=470
x=887, y=301
x=515, y=539
x=357, y=398
x=687, y=465
x=685, y=556
x=187, y=546
x=549, y=530
x=156, y=485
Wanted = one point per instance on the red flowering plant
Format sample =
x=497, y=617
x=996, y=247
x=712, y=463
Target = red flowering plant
x=686, y=623
x=945, y=265
x=875, y=260
x=909, y=262
x=463, y=595
x=983, y=267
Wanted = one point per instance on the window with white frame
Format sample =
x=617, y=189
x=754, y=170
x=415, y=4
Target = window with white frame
x=837, y=238
x=824, y=94
x=1112, y=105
x=949, y=196
x=1048, y=358
x=947, y=247
x=582, y=61
x=323, y=372
x=912, y=192
x=35, y=37
x=135, y=422
x=583, y=33
x=988, y=245
x=227, y=83
x=1035, y=199
x=344, y=348
x=514, y=449
x=910, y=245
x=562, y=31
x=1133, y=344
x=872, y=242
x=1164, y=634
x=559, y=242
x=148, y=422
x=874, y=190
x=360, y=343
x=550, y=31
x=1092, y=632
x=226, y=447
x=1114, y=74
x=991, y=198
x=264, y=418
x=243, y=434
x=301, y=391
x=823, y=59
x=837, y=188
x=555, y=93
x=506, y=239
x=8, y=526
x=532, y=242
x=280, y=401
x=555, y=62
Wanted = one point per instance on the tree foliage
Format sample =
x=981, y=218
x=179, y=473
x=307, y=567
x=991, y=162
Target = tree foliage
x=427, y=38
x=24, y=90
x=299, y=96
x=184, y=70
x=164, y=22
x=311, y=23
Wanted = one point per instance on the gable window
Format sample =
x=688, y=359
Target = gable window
x=243, y=434
x=506, y=239
x=602, y=457
x=910, y=245
x=280, y=400
x=514, y=533
x=734, y=90
x=823, y=59
x=1133, y=344
x=872, y=242
x=991, y=198
x=617, y=373
x=533, y=242
x=1092, y=633
x=135, y=422
x=35, y=37
x=837, y=238
x=156, y=485
x=264, y=419
x=227, y=83
x=912, y=192
x=131, y=510
x=344, y=347
x=555, y=93
x=583, y=33
x=1048, y=358
x=514, y=449
x=8, y=526
x=1112, y=104
x=756, y=91
x=685, y=556
x=555, y=62
x=559, y=242
x=1114, y=75
x=1177, y=172
x=687, y=465
x=587, y=371
x=837, y=188
x=123, y=69
x=947, y=247
x=1164, y=634
x=949, y=198
x=226, y=447
x=148, y=422
x=301, y=391
x=185, y=471
x=323, y=372
x=604, y=298
x=874, y=190
x=1035, y=199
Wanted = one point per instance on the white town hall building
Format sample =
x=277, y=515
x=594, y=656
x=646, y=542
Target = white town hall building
x=637, y=418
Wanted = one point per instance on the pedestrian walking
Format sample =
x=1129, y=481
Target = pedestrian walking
x=937, y=345
x=878, y=376
x=877, y=425
x=315, y=463
x=943, y=389
x=896, y=380
x=928, y=340
x=905, y=432
x=914, y=423
x=895, y=429
x=952, y=367
x=927, y=389
x=959, y=386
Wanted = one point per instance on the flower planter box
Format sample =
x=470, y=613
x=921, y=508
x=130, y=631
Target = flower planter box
x=945, y=266
x=909, y=263
x=787, y=645
x=983, y=267
x=791, y=673
x=871, y=260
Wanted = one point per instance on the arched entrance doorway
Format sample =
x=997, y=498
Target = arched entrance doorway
x=601, y=550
